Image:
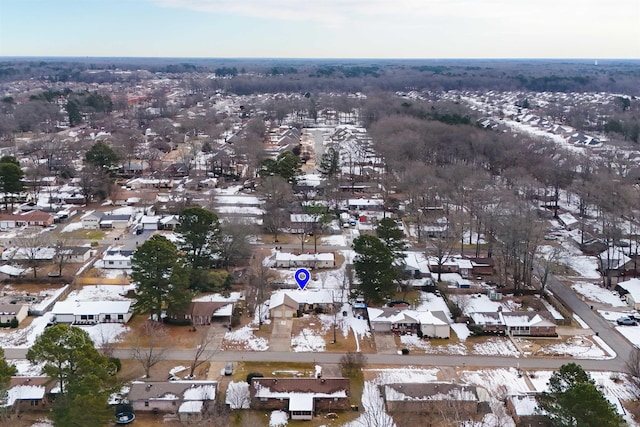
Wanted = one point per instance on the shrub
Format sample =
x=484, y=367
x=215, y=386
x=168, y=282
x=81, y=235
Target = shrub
x=253, y=375
x=116, y=362
x=351, y=364
x=405, y=351
x=14, y=323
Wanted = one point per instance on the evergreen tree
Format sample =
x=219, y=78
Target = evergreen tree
x=374, y=265
x=573, y=400
x=102, y=156
x=83, y=373
x=10, y=179
x=330, y=163
x=6, y=371
x=161, y=276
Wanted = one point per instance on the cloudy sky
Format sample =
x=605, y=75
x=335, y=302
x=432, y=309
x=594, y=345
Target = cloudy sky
x=591, y=29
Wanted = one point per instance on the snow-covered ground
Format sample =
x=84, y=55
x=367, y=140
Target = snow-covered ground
x=245, y=338
x=598, y=294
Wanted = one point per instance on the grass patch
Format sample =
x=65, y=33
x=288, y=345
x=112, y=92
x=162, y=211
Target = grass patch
x=86, y=234
x=268, y=368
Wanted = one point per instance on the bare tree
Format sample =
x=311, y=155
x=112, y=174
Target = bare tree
x=261, y=276
x=32, y=248
x=146, y=349
x=200, y=351
x=238, y=396
x=279, y=195
x=548, y=261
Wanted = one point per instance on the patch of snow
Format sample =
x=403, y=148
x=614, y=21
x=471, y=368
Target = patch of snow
x=244, y=336
x=631, y=333
x=496, y=347
x=598, y=294
x=307, y=340
x=278, y=419
x=581, y=322
x=461, y=331
x=72, y=227
x=105, y=333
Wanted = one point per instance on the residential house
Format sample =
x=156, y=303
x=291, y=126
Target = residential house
x=525, y=411
x=28, y=254
x=303, y=223
x=91, y=220
x=204, y=312
x=489, y=322
x=169, y=222
x=430, y=398
x=319, y=260
x=282, y=306
x=95, y=219
x=188, y=399
x=8, y=312
x=517, y=323
x=117, y=257
x=281, y=303
x=482, y=266
x=34, y=218
x=92, y=312
x=150, y=222
x=527, y=323
x=630, y=291
x=365, y=204
x=300, y=397
x=406, y=321
x=75, y=254
x=29, y=393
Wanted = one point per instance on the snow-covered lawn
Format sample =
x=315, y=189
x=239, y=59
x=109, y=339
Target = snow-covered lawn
x=72, y=227
x=278, y=419
x=104, y=333
x=336, y=240
x=308, y=340
x=25, y=337
x=632, y=333
x=244, y=339
x=496, y=347
x=599, y=294
x=571, y=256
x=579, y=347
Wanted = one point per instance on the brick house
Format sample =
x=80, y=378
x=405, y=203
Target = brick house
x=300, y=397
x=438, y=398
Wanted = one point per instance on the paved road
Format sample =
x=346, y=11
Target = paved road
x=604, y=328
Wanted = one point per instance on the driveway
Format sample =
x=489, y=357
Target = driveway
x=281, y=335
x=385, y=343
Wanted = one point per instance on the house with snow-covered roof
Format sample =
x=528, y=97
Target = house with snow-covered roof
x=28, y=393
x=173, y=397
x=428, y=398
x=525, y=411
x=630, y=291
x=405, y=321
x=517, y=323
x=92, y=312
x=318, y=260
x=117, y=257
x=301, y=398
x=284, y=303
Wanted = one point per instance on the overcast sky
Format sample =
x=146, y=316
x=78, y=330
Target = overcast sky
x=591, y=29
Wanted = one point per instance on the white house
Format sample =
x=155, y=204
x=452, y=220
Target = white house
x=117, y=258
x=321, y=260
x=366, y=204
x=91, y=220
x=92, y=312
x=150, y=222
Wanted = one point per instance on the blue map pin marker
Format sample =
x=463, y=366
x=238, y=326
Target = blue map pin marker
x=302, y=277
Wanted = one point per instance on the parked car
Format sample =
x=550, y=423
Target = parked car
x=228, y=369
x=626, y=321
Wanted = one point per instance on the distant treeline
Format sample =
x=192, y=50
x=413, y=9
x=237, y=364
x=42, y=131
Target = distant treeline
x=347, y=75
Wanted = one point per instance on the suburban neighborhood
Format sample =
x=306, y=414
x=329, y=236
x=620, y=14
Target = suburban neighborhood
x=165, y=238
